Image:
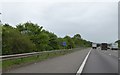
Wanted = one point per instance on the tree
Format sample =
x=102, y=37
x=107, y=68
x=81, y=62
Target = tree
x=13, y=42
x=77, y=36
x=34, y=32
x=42, y=42
x=29, y=28
x=70, y=42
x=30, y=37
x=77, y=40
x=0, y=39
x=53, y=40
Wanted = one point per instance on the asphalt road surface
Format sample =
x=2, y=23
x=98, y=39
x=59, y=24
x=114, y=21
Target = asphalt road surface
x=102, y=61
x=68, y=63
x=99, y=61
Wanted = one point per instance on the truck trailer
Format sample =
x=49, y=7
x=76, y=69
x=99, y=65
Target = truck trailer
x=104, y=46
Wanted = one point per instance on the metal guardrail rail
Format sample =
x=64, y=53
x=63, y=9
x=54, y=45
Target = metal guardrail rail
x=6, y=57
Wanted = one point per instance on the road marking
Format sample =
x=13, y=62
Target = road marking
x=83, y=64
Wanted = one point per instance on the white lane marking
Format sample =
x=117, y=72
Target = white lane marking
x=83, y=64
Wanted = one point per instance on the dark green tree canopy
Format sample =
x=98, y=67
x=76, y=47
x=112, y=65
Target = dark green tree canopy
x=30, y=37
x=77, y=36
x=14, y=42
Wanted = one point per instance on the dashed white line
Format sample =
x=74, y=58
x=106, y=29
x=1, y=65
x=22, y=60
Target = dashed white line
x=83, y=64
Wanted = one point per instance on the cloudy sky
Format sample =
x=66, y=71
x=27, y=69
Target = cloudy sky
x=96, y=21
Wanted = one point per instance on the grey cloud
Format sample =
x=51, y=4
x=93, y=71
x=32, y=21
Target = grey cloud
x=94, y=21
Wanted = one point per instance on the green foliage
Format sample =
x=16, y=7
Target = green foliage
x=0, y=39
x=79, y=42
x=13, y=42
x=42, y=42
x=29, y=37
x=70, y=42
x=29, y=28
x=53, y=41
x=77, y=36
x=34, y=32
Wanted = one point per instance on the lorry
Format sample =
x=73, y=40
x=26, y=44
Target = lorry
x=114, y=46
x=104, y=46
x=94, y=45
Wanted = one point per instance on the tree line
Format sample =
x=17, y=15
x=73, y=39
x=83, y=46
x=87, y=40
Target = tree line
x=30, y=37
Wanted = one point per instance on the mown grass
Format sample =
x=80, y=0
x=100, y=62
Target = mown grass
x=13, y=63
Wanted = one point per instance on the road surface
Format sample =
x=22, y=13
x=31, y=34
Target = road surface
x=98, y=62
x=102, y=62
x=68, y=63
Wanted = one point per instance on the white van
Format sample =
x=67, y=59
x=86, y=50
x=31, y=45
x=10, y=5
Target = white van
x=94, y=45
x=114, y=46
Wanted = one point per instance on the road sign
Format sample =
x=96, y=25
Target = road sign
x=64, y=43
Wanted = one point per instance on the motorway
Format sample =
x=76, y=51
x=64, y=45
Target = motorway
x=68, y=63
x=97, y=62
x=102, y=62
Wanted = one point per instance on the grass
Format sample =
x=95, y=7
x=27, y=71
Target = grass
x=12, y=63
x=0, y=64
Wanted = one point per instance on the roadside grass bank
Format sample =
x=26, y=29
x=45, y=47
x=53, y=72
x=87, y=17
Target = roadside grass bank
x=19, y=62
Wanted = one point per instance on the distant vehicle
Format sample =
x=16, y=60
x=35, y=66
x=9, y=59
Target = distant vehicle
x=94, y=45
x=109, y=46
x=104, y=46
x=114, y=46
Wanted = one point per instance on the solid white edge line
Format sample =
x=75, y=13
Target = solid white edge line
x=83, y=64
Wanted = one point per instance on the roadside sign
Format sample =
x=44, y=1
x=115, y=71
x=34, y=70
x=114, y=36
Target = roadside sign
x=64, y=44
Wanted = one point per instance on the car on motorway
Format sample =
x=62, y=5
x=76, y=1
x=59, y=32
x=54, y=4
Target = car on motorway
x=104, y=46
x=114, y=46
x=109, y=46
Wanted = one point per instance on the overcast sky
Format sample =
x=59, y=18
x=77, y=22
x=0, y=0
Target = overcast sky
x=94, y=21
